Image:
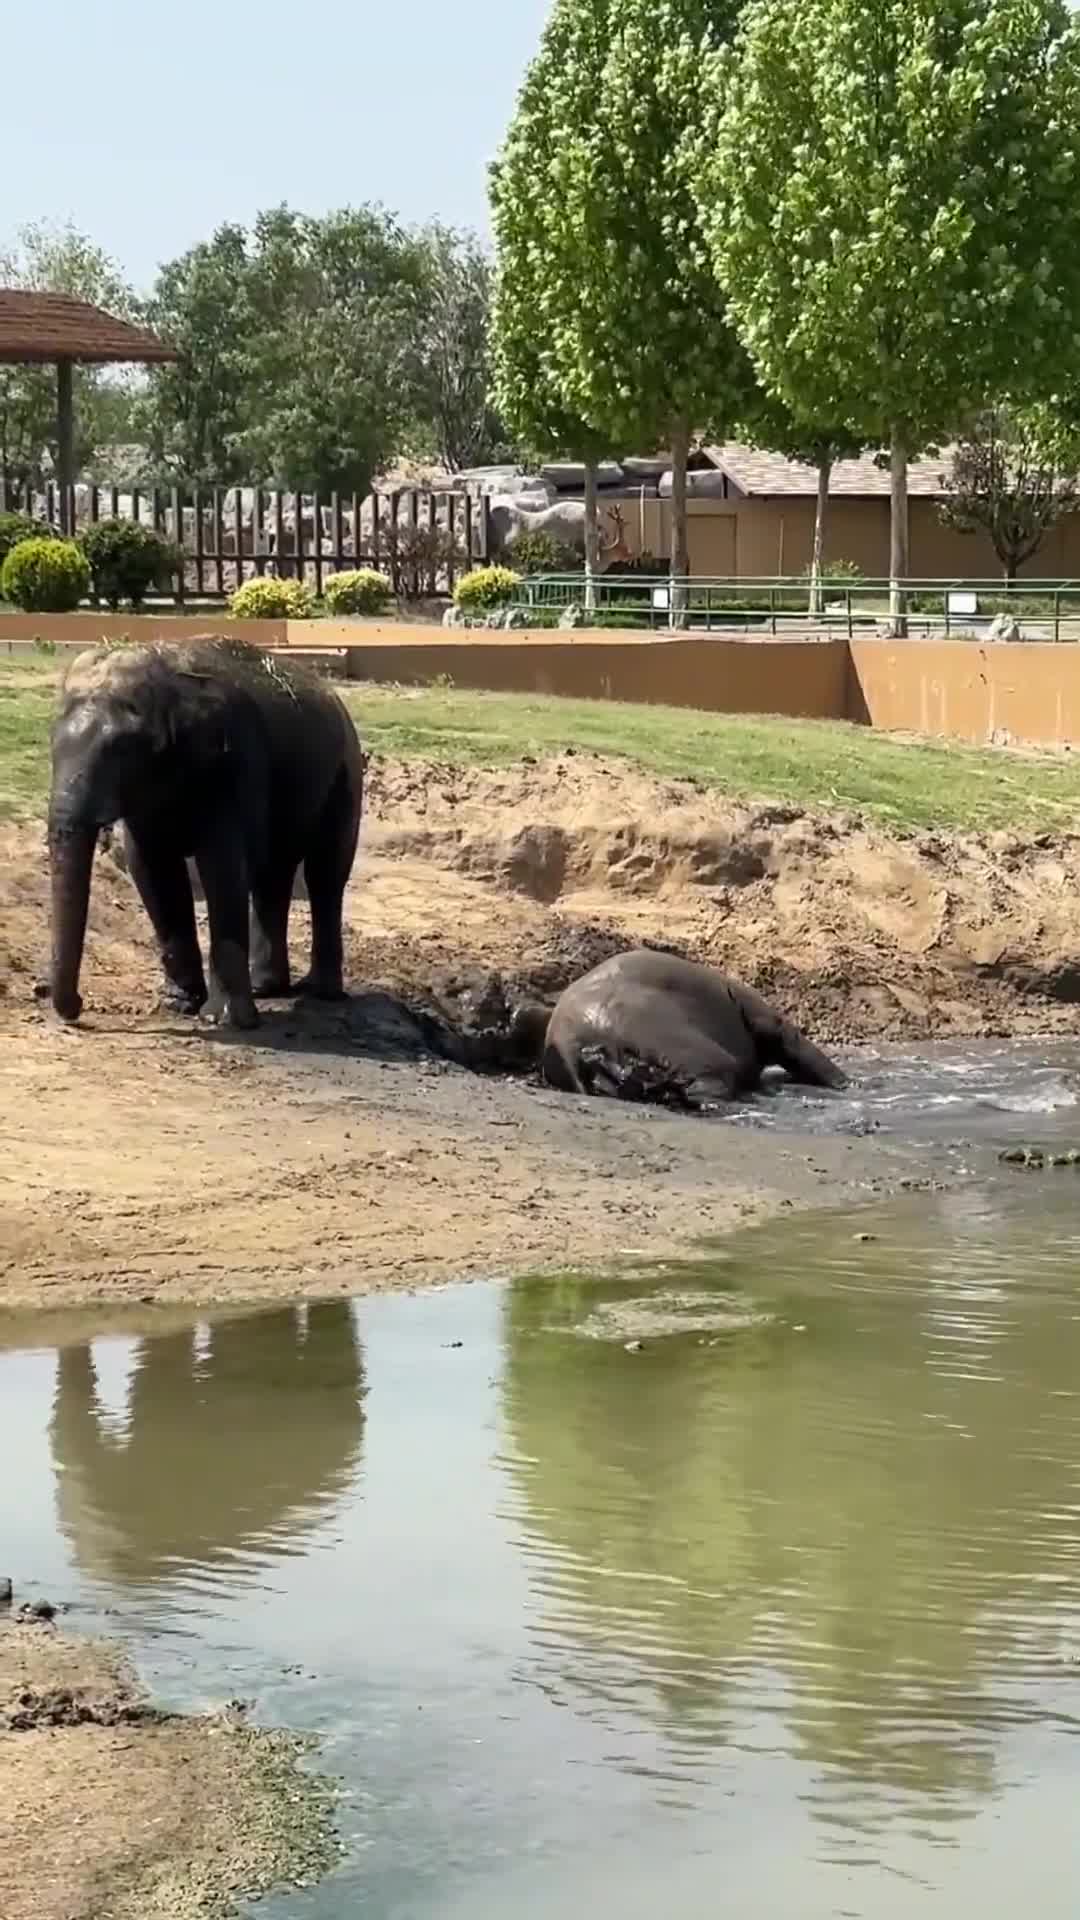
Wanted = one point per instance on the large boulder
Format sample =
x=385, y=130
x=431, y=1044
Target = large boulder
x=564, y=522
x=568, y=476
x=705, y=483
x=1006, y=629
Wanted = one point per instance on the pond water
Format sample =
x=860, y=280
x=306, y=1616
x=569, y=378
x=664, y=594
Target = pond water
x=779, y=1614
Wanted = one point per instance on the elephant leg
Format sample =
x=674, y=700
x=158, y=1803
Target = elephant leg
x=223, y=870
x=164, y=887
x=804, y=1062
x=327, y=866
x=271, y=899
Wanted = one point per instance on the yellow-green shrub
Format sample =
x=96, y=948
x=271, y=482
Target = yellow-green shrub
x=360, y=590
x=268, y=598
x=44, y=575
x=485, y=589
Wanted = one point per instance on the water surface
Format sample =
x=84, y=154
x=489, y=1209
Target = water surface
x=778, y=1615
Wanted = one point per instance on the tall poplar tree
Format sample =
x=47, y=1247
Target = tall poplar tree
x=593, y=192
x=892, y=195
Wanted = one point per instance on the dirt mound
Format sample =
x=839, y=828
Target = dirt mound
x=857, y=932
x=520, y=879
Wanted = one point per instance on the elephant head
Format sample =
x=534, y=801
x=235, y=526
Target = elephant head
x=122, y=717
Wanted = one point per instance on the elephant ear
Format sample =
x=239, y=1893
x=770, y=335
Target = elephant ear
x=191, y=714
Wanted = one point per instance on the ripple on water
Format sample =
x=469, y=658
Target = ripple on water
x=581, y=1625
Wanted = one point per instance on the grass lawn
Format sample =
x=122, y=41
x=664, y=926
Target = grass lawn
x=815, y=764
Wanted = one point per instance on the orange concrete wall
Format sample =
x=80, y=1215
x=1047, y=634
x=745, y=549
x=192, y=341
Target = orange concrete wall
x=961, y=690
x=89, y=629
x=966, y=691
x=794, y=678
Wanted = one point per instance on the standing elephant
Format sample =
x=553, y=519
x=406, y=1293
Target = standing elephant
x=646, y=1025
x=210, y=750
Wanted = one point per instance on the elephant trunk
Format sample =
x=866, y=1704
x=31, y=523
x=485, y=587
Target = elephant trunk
x=71, y=857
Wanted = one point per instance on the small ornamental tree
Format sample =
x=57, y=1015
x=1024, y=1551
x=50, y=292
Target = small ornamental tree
x=594, y=209
x=891, y=190
x=531, y=380
x=768, y=423
x=1013, y=475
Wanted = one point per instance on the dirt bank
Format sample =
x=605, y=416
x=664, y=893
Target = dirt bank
x=111, y=1810
x=148, y=1159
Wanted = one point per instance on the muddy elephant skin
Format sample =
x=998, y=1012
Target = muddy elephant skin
x=650, y=1026
x=211, y=751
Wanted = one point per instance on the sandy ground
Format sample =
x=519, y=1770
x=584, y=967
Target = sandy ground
x=147, y=1162
x=110, y=1810
x=150, y=1159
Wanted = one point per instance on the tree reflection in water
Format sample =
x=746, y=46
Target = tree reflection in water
x=857, y=1542
x=237, y=1443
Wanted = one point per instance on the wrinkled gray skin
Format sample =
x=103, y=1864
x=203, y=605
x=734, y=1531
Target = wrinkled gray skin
x=212, y=751
x=647, y=1025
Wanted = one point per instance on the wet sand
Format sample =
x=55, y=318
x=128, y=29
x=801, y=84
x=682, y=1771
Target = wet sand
x=157, y=1166
x=113, y=1810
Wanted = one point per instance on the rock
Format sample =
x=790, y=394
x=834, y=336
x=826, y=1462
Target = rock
x=1005, y=629
x=453, y=617
x=707, y=484
x=571, y=617
x=634, y=1346
x=41, y=1611
x=514, y=617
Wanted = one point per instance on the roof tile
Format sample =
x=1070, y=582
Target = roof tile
x=769, y=475
x=55, y=326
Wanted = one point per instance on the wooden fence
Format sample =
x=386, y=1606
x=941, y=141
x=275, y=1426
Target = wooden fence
x=419, y=538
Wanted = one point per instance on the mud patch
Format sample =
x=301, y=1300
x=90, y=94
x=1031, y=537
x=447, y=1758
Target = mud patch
x=660, y=1316
x=113, y=1810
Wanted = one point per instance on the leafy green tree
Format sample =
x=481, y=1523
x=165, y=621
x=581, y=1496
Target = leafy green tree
x=593, y=204
x=195, y=412
x=891, y=190
x=49, y=258
x=295, y=345
x=768, y=423
x=452, y=377
x=530, y=390
x=1014, y=473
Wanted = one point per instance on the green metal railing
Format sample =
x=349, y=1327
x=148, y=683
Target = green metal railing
x=957, y=609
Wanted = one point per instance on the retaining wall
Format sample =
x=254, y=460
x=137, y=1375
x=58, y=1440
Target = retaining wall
x=960, y=689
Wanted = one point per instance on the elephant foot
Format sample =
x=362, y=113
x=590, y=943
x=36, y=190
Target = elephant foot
x=316, y=986
x=271, y=986
x=241, y=1014
x=68, y=1007
x=184, y=1000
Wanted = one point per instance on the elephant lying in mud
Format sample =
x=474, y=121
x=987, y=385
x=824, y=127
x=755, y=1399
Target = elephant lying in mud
x=212, y=750
x=650, y=1026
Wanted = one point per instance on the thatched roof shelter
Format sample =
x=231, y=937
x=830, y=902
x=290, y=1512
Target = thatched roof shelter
x=56, y=329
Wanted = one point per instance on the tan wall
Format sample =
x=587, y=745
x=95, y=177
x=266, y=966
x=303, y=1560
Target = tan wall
x=88, y=629
x=715, y=676
x=959, y=689
x=756, y=538
x=1028, y=693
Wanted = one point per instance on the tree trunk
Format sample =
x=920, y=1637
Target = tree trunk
x=824, y=475
x=898, y=534
x=65, y=445
x=680, y=544
x=71, y=857
x=592, y=536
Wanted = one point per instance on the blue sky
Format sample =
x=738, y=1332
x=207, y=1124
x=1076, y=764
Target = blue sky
x=148, y=125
